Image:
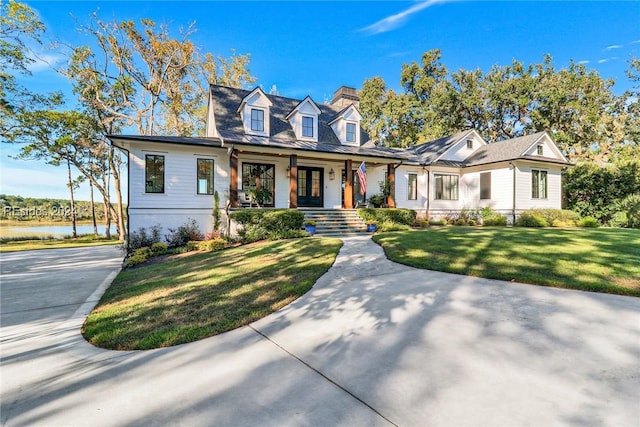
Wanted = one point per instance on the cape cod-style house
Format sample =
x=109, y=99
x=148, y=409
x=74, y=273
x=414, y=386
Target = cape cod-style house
x=306, y=154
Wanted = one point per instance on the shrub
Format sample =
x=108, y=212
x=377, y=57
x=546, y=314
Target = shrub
x=528, y=219
x=182, y=235
x=252, y=233
x=630, y=206
x=392, y=215
x=140, y=238
x=589, y=222
x=158, y=248
x=392, y=226
x=248, y=216
x=439, y=221
x=138, y=256
x=213, y=235
x=216, y=211
x=282, y=220
x=495, y=220
x=377, y=200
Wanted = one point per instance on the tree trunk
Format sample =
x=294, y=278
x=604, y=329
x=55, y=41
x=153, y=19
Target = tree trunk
x=115, y=172
x=73, y=205
x=93, y=209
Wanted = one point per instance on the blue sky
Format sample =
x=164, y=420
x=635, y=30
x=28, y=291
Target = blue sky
x=312, y=48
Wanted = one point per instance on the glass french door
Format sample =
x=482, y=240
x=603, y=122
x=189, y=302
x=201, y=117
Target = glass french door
x=310, y=185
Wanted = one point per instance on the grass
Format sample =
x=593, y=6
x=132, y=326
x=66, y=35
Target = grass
x=37, y=243
x=599, y=260
x=194, y=296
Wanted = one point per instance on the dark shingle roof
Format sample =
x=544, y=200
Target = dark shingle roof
x=510, y=149
x=429, y=151
x=226, y=101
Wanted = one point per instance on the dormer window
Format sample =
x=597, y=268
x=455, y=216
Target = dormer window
x=470, y=144
x=351, y=132
x=254, y=112
x=540, y=149
x=307, y=127
x=257, y=120
x=304, y=120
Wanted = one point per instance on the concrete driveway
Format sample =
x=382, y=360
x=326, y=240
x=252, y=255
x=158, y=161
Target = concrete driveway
x=373, y=343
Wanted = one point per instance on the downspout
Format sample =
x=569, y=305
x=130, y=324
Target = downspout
x=428, y=191
x=513, y=211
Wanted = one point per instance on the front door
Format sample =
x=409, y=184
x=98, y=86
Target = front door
x=310, y=185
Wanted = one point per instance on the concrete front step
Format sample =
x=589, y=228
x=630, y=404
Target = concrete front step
x=336, y=222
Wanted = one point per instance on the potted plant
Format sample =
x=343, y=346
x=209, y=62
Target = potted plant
x=372, y=225
x=310, y=226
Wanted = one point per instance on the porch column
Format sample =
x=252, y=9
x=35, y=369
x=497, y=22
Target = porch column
x=391, y=177
x=293, y=181
x=348, y=184
x=233, y=183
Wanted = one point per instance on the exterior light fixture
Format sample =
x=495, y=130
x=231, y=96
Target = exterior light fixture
x=332, y=174
x=288, y=171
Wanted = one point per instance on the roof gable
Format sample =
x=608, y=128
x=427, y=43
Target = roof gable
x=517, y=148
x=306, y=106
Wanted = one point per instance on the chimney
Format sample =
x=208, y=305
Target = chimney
x=345, y=96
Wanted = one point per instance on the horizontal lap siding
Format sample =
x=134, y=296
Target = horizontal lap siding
x=554, y=180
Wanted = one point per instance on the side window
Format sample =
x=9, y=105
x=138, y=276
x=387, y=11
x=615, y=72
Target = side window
x=412, y=190
x=205, y=176
x=257, y=120
x=485, y=185
x=153, y=173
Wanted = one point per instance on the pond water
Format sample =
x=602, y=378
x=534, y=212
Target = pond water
x=50, y=230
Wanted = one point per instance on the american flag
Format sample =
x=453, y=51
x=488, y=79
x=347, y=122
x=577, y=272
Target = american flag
x=362, y=176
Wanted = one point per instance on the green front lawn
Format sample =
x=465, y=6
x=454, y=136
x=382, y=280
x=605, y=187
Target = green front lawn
x=30, y=245
x=599, y=260
x=194, y=296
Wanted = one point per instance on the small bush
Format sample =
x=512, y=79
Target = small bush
x=248, y=216
x=158, y=248
x=213, y=235
x=392, y=226
x=290, y=219
x=141, y=238
x=439, y=221
x=589, y=222
x=562, y=216
x=377, y=200
x=138, y=256
x=393, y=215
x=182, y=235
x=630, y=206
x=495, y=220
x=213, y=245
x=252, y=233
x=527, y=219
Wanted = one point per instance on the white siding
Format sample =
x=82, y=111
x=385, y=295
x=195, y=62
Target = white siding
x=523, y=190
x=339, y=127
x=501, y=189
x=402, y=188
x=459, y=151
x=180, y=200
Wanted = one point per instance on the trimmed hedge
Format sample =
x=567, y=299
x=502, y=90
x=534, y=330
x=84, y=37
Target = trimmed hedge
x=388, y=215
x=273, y=224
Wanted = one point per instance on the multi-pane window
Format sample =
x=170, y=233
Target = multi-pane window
x=351, y=132
x=540, y=150
x=412, y=190
x=485, y=185
x=538, y=184
x=256, y=176
x=205, y=176
x=446, y=187
x=470, y=144
x=153, y=173
x=257, y=120
x=307, y=127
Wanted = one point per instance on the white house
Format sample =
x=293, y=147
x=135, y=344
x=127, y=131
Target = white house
x=306, y=155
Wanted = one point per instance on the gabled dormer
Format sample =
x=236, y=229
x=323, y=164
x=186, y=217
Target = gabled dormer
x=304, y=120
x=346, y=126
x=467, y=144
x=544, y=147
x=255, y=110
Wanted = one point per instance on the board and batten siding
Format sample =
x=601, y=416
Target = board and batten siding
x=180, y=200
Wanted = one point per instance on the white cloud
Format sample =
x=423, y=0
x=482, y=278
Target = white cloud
x=45, y=61
x=394, y=21
x=635, y=41
x=584, y=61
x=613, y=46
x=602, y=61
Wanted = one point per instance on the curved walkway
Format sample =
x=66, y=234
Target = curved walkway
x=373, y=343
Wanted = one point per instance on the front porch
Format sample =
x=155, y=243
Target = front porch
x=306, y=182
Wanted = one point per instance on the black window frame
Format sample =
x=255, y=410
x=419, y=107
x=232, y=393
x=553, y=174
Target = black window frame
x=355, y=130
x=210, y=185
x=257, y=121
x=485, y=186
x=540, y=150
x=150, y=187
x=306, y=127
x=452, y=189
x=536, y=186
x=470, y=144
x=268, y=182
x=412, y=187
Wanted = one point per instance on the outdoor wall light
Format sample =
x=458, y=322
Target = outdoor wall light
x=332, y=174
x=288, y=171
